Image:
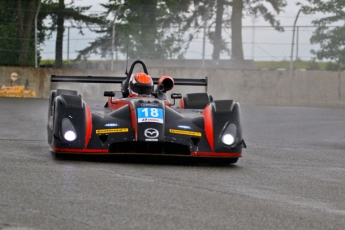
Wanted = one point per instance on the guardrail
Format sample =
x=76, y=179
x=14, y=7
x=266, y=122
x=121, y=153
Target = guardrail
x=252, y=87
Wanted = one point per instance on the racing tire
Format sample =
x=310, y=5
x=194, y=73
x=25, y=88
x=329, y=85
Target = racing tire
x=50, y=114
x=196, y=100
x=66, y=92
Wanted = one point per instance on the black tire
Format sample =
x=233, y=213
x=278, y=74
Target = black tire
x=66, y=92
x=196, y=100
x=51, y=101
x=50, y=114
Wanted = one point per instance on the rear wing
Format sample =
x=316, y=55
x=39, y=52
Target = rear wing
x=119, y=80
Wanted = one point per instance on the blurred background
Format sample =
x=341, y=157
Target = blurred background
x=102, y=34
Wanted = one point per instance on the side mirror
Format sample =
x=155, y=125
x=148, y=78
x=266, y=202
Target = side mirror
x=109, y=93
x=161, y=88
x=175, y=96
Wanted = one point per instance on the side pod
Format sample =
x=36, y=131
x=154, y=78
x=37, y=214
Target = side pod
x=71, y=116
x=222, y=118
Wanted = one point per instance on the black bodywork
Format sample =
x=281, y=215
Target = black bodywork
x=146, y=124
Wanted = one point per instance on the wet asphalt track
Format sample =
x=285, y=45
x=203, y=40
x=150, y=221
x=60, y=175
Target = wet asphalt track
x=292, y=176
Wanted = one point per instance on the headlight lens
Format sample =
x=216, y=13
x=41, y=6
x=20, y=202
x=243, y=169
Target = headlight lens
x=229, y=134
x=228, y=139
x=70, y=136
x=68, y=130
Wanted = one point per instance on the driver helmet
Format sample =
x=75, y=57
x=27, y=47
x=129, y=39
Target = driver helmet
x=140, y=83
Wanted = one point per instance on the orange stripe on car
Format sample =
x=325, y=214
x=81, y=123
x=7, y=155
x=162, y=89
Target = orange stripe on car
x=208, y=124
x=88, y=125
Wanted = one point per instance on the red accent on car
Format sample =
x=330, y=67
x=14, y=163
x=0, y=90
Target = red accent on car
x=116, y=104
x=167, y=81
x=215, y=154
x=88, y=125
x=134, y=121
x=208, y=124
x=182, y=103
x=67, y=150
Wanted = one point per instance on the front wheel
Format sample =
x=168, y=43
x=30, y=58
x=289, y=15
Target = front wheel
x=50, y=116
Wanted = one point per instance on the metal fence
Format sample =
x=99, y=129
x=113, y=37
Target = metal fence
x=260, y=43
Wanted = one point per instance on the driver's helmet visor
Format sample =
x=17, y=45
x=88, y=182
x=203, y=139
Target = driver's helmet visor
x=142, y=89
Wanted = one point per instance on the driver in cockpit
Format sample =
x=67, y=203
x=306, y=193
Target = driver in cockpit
x=138, y=84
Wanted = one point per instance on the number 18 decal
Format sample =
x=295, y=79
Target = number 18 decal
x=150, y=115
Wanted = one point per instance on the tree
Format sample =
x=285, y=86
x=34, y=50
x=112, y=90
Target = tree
x=17, y=30
x=148, y=28
x=237, y=9
x=217, y=41
x=203, y=15
x=26, y=11
x=59, y=12
x=8, y=31
x=328, y=34
x=255, y=8
x=236, y=30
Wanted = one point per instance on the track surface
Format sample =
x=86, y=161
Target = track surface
x=292, y=176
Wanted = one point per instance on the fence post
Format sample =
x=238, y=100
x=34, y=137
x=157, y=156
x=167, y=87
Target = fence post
x=68, y=38
x=36, y=31
x=293, y=38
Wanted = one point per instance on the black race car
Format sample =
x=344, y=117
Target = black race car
x=144, y=123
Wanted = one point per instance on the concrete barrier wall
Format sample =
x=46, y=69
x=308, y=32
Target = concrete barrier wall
x=252, y=87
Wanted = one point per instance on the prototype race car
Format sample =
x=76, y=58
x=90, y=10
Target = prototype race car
x=145, y=122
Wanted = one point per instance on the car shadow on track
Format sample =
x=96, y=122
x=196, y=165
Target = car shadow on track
x=147, y=159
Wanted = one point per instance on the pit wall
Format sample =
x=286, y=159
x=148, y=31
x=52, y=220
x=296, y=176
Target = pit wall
x=249, y=87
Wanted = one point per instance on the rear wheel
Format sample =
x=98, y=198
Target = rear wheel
x=196, y=100
x=66, y=92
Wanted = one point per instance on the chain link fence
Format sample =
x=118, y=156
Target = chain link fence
x=260, y=43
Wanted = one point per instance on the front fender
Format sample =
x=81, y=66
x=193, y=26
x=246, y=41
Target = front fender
x=75, y=109
x=217, y=115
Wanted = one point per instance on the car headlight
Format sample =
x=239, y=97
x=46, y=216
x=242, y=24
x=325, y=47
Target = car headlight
x=229, y=134
x=228, y=139
x=68, y=130
x=70, y=136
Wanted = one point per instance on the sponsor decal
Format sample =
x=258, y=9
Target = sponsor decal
x=111, y=125
x=151, y=139
x=150, y=115
x=184, y=127
x=156, y=120
x=149, y=105
x=185, y=132
x=151, y=133
x=107, y=131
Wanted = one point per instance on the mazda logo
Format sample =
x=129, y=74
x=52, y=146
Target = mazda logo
x=151, y=133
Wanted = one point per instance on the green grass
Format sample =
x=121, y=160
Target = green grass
x=286, y=65
x=271, y=65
